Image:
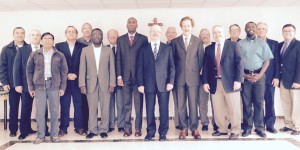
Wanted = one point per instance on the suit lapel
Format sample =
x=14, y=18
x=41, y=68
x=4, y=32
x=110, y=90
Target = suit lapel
x=289, y=48
x=66, y=47
x=213, y=53
x=160, y=50
x=92, y=54
x=180, y=41
x=135, y=39
x=225, y=47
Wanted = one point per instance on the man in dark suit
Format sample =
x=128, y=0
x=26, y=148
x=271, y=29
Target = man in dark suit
x=156, y=74
x=270, y=118
x=288, y=73
x=8, y=55
x=72, y=51
x=188, y=53
x=116, y=98
x=129, y=45
x=222, y=76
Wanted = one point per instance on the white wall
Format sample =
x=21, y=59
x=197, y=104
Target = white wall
x=56, y=22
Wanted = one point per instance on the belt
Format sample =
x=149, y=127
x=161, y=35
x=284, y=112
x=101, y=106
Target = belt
x=48, y=78
x=252, y=71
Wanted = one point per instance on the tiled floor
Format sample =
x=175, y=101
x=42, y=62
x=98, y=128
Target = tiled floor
x=116, y=140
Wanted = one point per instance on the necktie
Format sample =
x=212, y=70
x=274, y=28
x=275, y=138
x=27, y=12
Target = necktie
x=114, y=49
x=155, y=51
x=186, y=44
x=131, y=40
x=284, y=47
x=218, y=59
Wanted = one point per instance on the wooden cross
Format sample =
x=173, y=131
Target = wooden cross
x=155, y=23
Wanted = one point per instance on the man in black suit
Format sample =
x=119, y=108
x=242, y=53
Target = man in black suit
x=72, y=51
x=222, y=76
x=20, y=82
x=155, y=74
x=270, y=118
x=188, y=53
x=288, y=73
x=129, y=45
x=116, y=98
x=8, y=55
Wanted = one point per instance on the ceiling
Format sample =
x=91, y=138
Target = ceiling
x=32, y=5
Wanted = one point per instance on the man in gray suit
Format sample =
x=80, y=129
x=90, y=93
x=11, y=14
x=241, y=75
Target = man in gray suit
x=188, y=53
x=97, y=79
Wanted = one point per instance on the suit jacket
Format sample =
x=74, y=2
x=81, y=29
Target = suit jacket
x=7, y=59
x=152, y=73
x=127, y=55
x=88, y=74
x=74, y=59
x=270, y=73
x=19, y=71
x=188, y=63
x=231, y=67
x=289, y=70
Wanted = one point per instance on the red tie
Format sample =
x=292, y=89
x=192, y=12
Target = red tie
x=131, y=40
x=218, y=58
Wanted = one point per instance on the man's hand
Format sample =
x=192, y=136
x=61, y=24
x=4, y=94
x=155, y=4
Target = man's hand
x=256, y=77
x=120, y=82
x=236, y=85
x=169, y=87
x=72, y=76
x=296, y=85
x=32, y=93
x=6, y=88
x=275, y=82
x=141, y=89
x=19, y=89
x=83, y=90
x=111, y=89
x=61, y=92
x=206, y=88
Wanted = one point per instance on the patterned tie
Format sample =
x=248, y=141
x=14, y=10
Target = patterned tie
x=218, y=58
x=186, y=43
x=155, y=51
x=284, y=47
x=131, y=40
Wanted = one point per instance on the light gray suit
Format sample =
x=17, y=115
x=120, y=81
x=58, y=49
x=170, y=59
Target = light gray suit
x=188, y=65
x=97, y=84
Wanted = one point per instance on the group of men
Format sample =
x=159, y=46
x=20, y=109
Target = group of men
x=119, y=74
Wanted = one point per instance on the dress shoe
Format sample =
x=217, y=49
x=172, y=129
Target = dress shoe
x=90, y=135
x=149, y=137
x=204, y=127
x=138, y=133
x=196, y=134
x=12, y=134
x=246, y=133
x=32, y=132
x=80, y=131
x=38, y=140
x=260, y=133
x=295, y=132
x=229, y=126
x=22, y=136
x=215, y=127
x=233, y=136
x=110, y=130
x=162, y=137
x=127, y=133
x=217, y=133
x=272, y=130
x=103, y=135
x=55, y=139
x=121, y=130
x=61, y=133
x=285, y=129
x=183, y=133
x=47, y=133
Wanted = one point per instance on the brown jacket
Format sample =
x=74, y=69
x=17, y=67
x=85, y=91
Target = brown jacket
x=36, y=69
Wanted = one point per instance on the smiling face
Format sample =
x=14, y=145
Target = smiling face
x=234, y=32
x=155, y=33
x=97, y=37
x=171, y=33
x=205, y=36
x=47, y=41
x=288, y=33
x=250, y=29
x=262, y=30
x=71, y=33
x=218, y=33
x=186, y=27
x=19, y=35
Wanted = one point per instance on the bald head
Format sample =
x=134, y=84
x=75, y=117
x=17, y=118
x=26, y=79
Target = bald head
x=132, y=25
